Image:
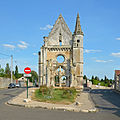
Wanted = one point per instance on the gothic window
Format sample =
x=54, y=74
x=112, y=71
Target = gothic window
x=60, y=42
x=60, y=39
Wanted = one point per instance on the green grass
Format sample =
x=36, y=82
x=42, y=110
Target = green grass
x=56, y=95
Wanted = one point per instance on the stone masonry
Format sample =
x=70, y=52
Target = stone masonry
x=61, y=43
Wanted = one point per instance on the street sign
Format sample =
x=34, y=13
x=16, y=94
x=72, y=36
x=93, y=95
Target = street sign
x=27, y=70
x=27, y=75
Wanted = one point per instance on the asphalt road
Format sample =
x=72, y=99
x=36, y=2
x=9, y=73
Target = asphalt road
x=108, y=102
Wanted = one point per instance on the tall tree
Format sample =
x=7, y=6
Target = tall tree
x=85, y=77
x=34, y=76
x=96, y=78
x=7, y=70
x=16, y=72
x=92, y=78
x=106, y=79
x=1, y=72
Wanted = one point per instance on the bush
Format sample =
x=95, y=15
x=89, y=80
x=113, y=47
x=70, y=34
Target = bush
x=68, y=92
x=102, y=84
x=44, y=90
x=95, y=82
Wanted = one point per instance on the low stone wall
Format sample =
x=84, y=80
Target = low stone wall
x=100, y=87
x=4, y=82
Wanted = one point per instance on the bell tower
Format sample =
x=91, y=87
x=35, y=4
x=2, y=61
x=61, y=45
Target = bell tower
x=78, y=52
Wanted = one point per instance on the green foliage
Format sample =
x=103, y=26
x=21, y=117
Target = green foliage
x=55, y=95
x=16, y=72
x=34, y=76
x=68, y=92
x=7, y=70
x=95, y=82
x=92, y=78
x=44, y=90
x=103, y=82
x=85, y=77
x=7, y=73
x=1, y=72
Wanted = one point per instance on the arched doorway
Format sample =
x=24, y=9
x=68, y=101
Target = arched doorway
x=63, y=81
x=57, y=81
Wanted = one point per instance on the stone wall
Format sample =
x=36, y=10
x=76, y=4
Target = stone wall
x=4, y=82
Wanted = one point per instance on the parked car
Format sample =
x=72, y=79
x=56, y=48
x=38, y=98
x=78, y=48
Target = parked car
x=17, y=85
x=11, y=85
x=36, y=85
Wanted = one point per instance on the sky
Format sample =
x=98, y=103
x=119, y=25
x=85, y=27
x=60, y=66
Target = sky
x=24, y=23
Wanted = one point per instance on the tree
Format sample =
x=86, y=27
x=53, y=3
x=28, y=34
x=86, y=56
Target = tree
x=96, y=78
x=16, y=72
x=1, y=72
x=92, y=78
x=106, y=79
x=34, y=76
x=7, y=70
x=85, y=77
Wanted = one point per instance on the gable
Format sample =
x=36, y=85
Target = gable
x=60, y=32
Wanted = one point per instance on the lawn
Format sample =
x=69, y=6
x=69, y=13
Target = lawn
x=55, y=95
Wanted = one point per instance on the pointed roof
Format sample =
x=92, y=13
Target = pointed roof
x=61, y=21
x=78, y=30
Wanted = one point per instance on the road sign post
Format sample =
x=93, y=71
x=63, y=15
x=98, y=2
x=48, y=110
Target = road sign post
x=27, y=70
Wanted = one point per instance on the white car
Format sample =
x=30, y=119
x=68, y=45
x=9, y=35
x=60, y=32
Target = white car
x=17, y=85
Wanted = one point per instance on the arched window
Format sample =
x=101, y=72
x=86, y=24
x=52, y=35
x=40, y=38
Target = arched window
x=60, y=39
x=60, y=42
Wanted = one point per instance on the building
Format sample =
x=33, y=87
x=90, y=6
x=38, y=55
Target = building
x=22, y=81
x=117, y=80
x=61, y=56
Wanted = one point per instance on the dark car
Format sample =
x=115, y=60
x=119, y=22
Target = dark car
x=11, y=85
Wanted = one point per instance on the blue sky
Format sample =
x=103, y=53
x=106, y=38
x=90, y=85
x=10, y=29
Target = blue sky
x=23, y=23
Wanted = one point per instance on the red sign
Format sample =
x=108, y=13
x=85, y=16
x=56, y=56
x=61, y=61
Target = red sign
x=27, y=70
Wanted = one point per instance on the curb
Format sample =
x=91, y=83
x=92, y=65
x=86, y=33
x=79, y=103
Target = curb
x=53, y=108
x=66, y=108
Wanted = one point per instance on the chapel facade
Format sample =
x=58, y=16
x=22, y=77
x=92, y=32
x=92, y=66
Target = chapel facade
x=61, y=56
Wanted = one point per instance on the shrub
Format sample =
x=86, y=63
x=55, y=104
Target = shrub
x=68, y=92
x=44, y=90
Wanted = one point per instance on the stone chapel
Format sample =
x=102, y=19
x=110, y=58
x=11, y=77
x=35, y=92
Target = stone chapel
x=61, y=56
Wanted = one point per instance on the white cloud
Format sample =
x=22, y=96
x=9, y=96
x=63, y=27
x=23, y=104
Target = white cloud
x=91, y=51
x=34, y=53
x=9, y=46
x=117, y=38
x=23, y=45
x=47, y=27
x=104, y=61
x=116, y=54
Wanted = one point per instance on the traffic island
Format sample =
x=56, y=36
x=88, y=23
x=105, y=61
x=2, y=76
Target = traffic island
x=82, y=103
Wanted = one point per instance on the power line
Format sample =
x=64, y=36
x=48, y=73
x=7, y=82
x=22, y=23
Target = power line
x=4, y=54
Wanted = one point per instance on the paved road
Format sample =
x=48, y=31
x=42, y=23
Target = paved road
x=106, y=100
x=19, y=113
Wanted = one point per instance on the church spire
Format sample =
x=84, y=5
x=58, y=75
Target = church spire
x=78, y=30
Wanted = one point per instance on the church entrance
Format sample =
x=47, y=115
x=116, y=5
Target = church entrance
x=63, y=81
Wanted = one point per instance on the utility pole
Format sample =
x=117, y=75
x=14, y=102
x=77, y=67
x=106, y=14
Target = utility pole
x=11, y=68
